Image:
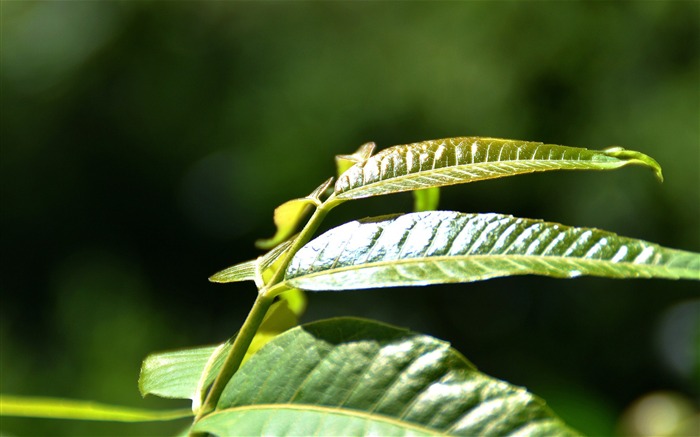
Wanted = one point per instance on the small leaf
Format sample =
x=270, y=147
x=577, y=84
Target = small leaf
x=244, y=271
x=351, y=376
x=426, y=199
x=287, y=218
x=258, y=270
x=344, y=162
x=442, y=246
x=55, y=408
x=296, y=301
x=178, y=374
x=288, y=215
x=467, y=159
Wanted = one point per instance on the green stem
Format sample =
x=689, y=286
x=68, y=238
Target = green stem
x=304, y=236
x=262, y=304
x=237, y=352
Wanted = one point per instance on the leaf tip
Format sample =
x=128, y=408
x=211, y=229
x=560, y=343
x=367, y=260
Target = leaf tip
x=634, y=157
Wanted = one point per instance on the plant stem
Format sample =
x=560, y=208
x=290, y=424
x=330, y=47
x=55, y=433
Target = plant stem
x=257, y=312
x=237, y=352
x=304, y=236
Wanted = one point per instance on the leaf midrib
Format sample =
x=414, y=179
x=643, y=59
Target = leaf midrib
x=436, y=259
x=336, y=410
x=477, y=165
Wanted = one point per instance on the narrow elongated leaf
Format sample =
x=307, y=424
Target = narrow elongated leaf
x=245, y=271
x=56, y=408
x=443, y=246
x=358, y=377
x=466, y=159
x=257, y=270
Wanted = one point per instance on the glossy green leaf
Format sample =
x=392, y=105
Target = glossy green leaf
x=442, y=246
x=288, y=215
x=56, y=408
x=467, y=159
x=188, y=373
x=426, y=199
x=351, y=376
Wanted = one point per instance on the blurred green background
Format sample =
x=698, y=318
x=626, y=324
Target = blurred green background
x=144, y=146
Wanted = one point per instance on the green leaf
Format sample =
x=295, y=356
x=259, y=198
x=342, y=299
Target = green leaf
x=426, y=199
x=288, y=215
x=245, y=271
x=442, y=246
x=182, y=374
x=350, y=376
x=467, y=159
x=188, y=373
x=56, y=408
x=258, y=270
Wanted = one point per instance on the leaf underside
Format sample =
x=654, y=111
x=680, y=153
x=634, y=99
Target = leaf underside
x=444, y=246
x=182, y=374
x=467, y=159
x=257, y=270
x=357, y=377
x=174, y=374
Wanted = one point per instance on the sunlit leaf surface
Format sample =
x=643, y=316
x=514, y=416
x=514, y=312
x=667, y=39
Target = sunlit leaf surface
x=466, y=159
x=443, y=246
x=357, y=377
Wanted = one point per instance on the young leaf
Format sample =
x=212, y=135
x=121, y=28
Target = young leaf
x=466, y=159
x=288, y=215
x=245, y=271
x=426, y=199
x=179, y=374
x=351, y=376
x=442, y=246
x=254, y=270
